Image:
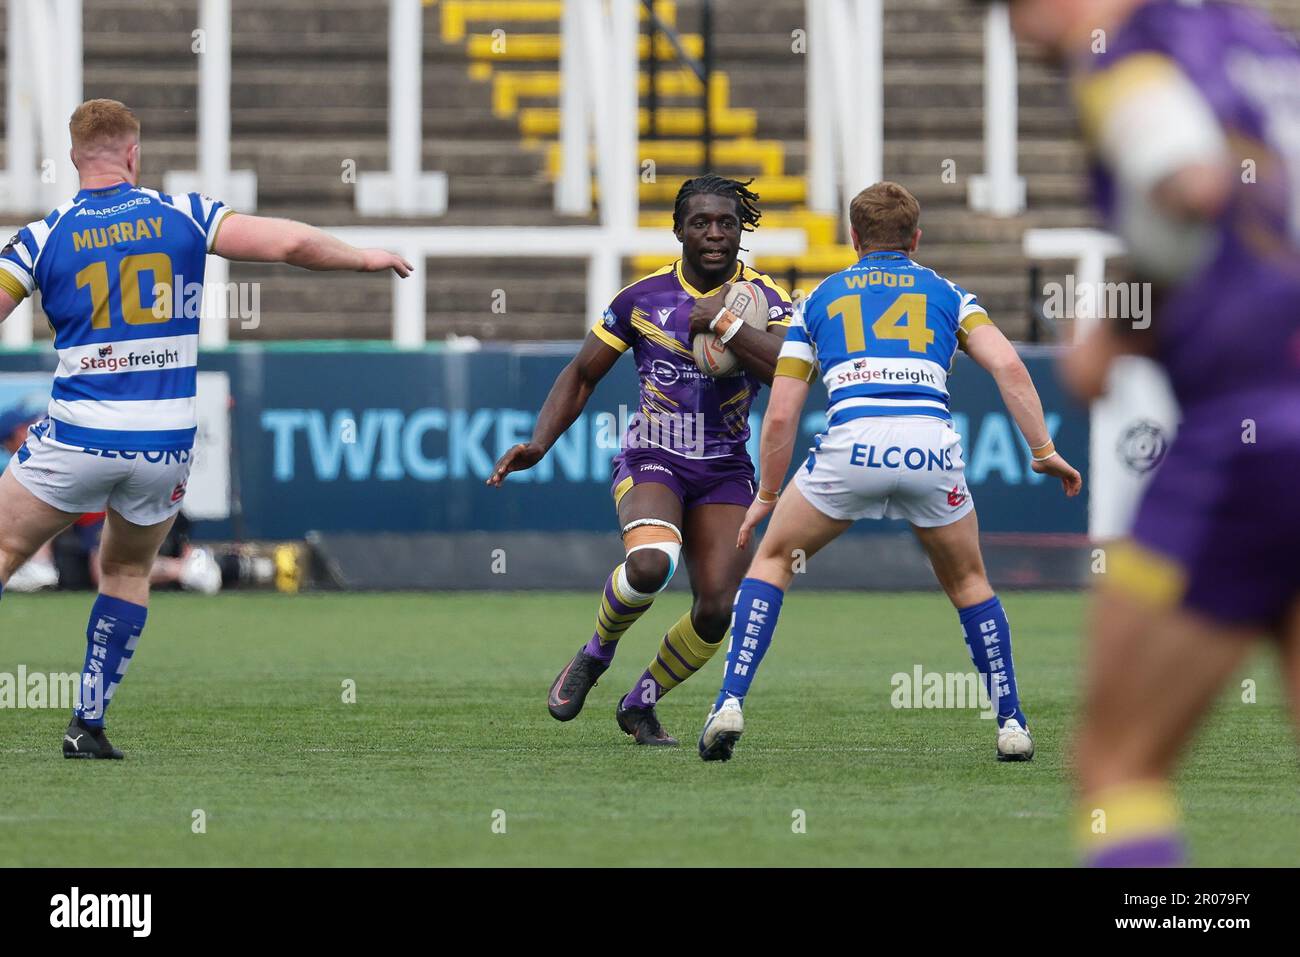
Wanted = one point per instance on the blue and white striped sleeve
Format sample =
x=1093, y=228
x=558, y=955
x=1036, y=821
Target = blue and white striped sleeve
x=18, y=264
x=209, y=214
x=798, y=356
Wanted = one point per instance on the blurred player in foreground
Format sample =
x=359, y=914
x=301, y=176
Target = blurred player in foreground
x=884, y=333
x=1190, y=113
x=683, y=477
x=115, y=266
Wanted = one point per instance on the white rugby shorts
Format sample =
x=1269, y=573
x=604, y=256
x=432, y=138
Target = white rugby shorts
x=145, y=488
x=898, y=466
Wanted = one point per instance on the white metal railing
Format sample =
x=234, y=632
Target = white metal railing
x=1138, y=405
x=404, y=189
x=845, y=113
x=236, y=188
x=599, y=109
x=603, y=248
x=845, y=105
x=1001, y=190
x=43, y=72
x=599, y=101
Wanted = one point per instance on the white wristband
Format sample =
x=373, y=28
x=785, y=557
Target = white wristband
x=731, y=332
x=713, y=324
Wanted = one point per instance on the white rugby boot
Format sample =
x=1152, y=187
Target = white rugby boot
x=722, y=729
x=33, y=576
x=1015, y=743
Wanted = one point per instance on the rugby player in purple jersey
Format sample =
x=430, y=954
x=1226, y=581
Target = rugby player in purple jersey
x=682, y=479
x=1191, y=113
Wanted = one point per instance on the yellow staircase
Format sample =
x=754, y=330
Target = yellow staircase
x=523, y=70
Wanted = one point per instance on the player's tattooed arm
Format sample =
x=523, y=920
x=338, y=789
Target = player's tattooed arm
x=564, y=403
x=756, y=349
x=996, y=355
x=266, y=240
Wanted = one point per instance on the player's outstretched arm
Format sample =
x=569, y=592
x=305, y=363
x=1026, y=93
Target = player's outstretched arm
x=776, y=446
x=261, y=239
x=996, y=355
x=564, y=403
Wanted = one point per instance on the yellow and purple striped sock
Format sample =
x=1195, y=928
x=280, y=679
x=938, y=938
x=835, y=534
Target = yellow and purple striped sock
x=682, y=653
x=1135, y=824
x=620, y=606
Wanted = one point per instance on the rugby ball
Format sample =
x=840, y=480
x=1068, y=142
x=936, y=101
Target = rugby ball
x=747, y=302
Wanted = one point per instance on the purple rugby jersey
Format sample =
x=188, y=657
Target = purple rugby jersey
x=682, y=410
x=1232, y=327
x=1218, y=524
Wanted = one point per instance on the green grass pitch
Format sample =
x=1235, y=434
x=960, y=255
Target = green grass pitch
x=234, y=707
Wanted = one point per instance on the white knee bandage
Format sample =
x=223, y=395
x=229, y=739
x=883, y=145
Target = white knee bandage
x=659, y=535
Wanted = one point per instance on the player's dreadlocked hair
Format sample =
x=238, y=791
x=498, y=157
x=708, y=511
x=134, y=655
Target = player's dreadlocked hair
x=710, y=184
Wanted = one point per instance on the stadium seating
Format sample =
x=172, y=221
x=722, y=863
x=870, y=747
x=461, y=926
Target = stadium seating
x=309, y=95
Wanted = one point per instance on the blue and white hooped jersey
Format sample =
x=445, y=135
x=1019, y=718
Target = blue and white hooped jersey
x=884, y=333
x=120, y=272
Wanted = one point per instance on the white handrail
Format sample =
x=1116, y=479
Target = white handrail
x=603, y=249
x=573, y=185
x=599, y=66
x=1138, y=406
x=404, y=189
x=236, y=188
x=845, y=100
x=39, y=101
x=1001, y=190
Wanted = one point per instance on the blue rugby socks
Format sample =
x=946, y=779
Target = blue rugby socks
x=753, y=621
x=988, y=638
x=111, y=636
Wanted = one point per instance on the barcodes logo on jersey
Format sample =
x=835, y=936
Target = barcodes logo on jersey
x=110, y=210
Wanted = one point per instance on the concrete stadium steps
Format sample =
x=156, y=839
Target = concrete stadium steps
x=539, y=299
x=309, y=91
